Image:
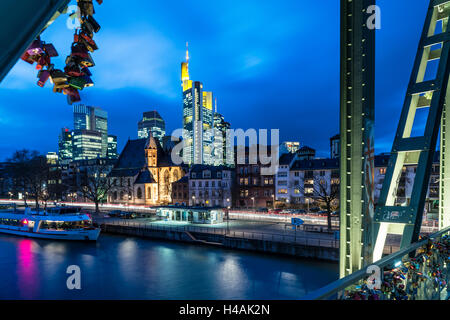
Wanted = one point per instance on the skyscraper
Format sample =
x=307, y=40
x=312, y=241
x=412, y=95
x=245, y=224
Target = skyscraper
x=197, y=119
x=65, y=146
x=87, y=144
x=112, y=147
x=92, y=119
x=223, y=145
x=154, y=123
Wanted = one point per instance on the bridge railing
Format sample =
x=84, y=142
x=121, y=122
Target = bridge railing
x=423, y=277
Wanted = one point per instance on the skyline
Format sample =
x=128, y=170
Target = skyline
x=237, y=61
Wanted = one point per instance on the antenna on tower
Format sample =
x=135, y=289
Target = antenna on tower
x=187, y=51
x=216, y=106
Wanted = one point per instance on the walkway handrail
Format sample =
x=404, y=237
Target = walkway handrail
x=335, y=287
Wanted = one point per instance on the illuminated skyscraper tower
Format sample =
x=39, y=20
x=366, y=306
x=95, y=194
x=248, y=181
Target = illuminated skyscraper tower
x=197, y=119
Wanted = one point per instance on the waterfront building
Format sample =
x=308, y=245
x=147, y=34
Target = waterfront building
x=210, y=186
x=87, y=144
x=92, y=119
x=144, y=174
x=112, y=147
x=152, y=123
x=335, y=147
x=65, y=152
x=289, y=147
x=191, y=214
x=282, y=177
x=296, y=179
x=253, y=188
x=180, y=191
x=197, y=120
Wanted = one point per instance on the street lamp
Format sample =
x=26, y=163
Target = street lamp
x=253, y=198
x=193, y=200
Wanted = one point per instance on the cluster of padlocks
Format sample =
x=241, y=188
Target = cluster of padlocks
x=76, y=75
x=421, y=277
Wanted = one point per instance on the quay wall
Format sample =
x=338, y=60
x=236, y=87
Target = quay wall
x=324, y=253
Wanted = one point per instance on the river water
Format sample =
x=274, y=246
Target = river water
x=117, y=267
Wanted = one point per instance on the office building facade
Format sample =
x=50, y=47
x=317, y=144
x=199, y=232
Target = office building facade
x=65, y=145
x=112, y=147
x=152, y=123
x=92, y=119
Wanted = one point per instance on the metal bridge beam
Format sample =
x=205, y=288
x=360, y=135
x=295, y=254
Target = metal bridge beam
x=22, y=21
x=356, y=127
x=428, y=88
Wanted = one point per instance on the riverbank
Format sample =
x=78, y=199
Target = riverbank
x=317, y=249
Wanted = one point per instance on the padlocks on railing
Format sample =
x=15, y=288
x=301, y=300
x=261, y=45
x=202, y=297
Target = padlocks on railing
x=423, y=277
x=76, y=75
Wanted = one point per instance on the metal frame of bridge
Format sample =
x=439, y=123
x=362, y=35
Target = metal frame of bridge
x=428, y=90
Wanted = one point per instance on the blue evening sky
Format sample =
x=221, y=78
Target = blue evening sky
x=271, y=64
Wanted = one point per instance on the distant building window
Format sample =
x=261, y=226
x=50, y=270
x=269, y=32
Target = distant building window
x=149, y=193
x=383, y=171
x=139, y=193
x=282, y=191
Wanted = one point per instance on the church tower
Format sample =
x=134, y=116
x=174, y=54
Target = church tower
x=151, y=152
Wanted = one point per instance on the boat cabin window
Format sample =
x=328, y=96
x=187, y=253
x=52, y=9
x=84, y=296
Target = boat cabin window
x=67, y=225
x=11, y=222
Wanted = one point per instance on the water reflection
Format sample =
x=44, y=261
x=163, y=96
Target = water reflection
x=27, y=276
x=131, y=268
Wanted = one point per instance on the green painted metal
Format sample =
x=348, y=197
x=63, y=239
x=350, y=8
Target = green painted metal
x=22, y=21
x=356, y=127
x=393, y=217
x=444, y=179
x=336, y=288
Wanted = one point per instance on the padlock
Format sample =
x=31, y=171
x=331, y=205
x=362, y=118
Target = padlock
x=95, y=25
x=27, y=58
x=44, y=75
x=77, y=83
x=57, y=76
x=86, y=7
x=88, y=42
x=87, y=28
x=86, y=71
x=50, y=50
x=43, y=61
x=99, y=1
x=35, y=48
x=87, y=61
x=72, y=95
x=73, y=70
x=88, y=81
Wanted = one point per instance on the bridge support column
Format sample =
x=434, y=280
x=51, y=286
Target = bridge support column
x=356, y=127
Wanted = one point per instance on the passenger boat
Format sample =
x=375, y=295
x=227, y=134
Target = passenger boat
x=58, y=223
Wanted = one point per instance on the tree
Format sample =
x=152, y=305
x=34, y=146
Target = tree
x=30, y=173
x=93, y=182
x=327, y=195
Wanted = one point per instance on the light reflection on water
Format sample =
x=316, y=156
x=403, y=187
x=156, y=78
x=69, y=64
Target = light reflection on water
x=132, y=268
